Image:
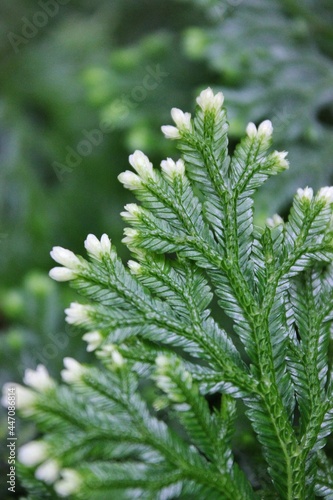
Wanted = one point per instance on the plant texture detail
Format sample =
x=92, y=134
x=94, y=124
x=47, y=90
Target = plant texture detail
x=193, y=239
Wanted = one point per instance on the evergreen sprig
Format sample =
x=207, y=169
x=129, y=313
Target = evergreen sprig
x=192, y=237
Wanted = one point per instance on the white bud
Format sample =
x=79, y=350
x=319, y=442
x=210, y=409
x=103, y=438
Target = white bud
x=65, y=258
x=92, y=245
x=62, y=274
x=77, y=314
x=117, y=358
x=170, y=132
x=130, y=180
x=94, y=340
x=162, y=361
x=110, y=351
x=97, y=248
x=73, y=372
x=171, y=169
x=69, y=484
x=48, y=471
x=133, y=212
x=251, y=130
x=280, y=158
x=181, y=119
x=274, y=221
x=130, y=235
x=140, y=162
x=305, y=193
x=326, y=193
x=210, y=102
x=32, y=453
x=38, y=379
x=105, y=244
x=265, y=129
x=134, y=267
x=24, y=398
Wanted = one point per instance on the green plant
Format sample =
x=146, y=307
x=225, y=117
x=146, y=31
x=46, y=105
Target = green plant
x=105, y=431
x=259, y=51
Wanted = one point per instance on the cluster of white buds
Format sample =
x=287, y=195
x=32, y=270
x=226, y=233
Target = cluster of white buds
x=130, y=236
x=171, y=169
x=93, y=339
x=69, y=484
x=48, y=471
x=208, y=101
x=274, y=221
x=78, y=314
x=33, y=453
x=73, y=371
x=326, y=194
x=38, y=379
x=305, y=194
x=140, y=162
x=144, y=168
x=134, y=267
x=110, y=352
x=36, y=452
x=132, y=213
x=72, y=264
x=264, y=130
x=24, y=398
x=98, y=248
x=130, y=180
x=182, y=121
x=279, y=157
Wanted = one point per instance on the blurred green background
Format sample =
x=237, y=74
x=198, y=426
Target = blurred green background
x=84, y=83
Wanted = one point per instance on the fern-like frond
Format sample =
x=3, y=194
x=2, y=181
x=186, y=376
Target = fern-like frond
x=192, y=236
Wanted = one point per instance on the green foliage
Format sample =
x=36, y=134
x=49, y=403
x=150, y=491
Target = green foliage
x=274, y=59
x=46, y=113
x=193, y=238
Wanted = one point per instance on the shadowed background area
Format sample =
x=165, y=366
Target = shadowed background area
x=85, y=83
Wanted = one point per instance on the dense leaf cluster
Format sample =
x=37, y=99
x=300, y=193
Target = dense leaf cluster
x=193, y=237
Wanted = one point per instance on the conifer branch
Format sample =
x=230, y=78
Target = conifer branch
x=193, y=238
